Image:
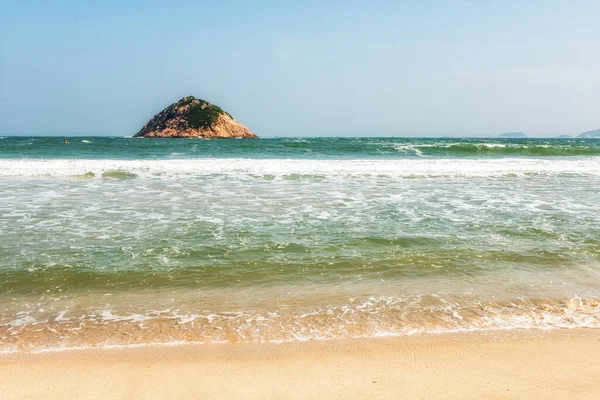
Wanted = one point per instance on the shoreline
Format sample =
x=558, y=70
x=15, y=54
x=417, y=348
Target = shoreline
x=497, y=333
x=328, y=318
x=485, y=364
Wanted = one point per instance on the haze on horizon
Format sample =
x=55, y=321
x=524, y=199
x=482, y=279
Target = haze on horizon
x=429, y=68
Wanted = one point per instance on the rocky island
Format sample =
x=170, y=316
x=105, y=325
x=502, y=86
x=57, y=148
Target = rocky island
x=190, y=118
x=590, y=134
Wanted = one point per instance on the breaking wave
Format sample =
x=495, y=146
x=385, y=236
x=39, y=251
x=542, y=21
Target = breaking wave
x=363, y=317
x=265, y=168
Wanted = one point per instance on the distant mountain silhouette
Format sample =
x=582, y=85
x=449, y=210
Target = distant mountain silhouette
x=590, y=134
x=513, y=135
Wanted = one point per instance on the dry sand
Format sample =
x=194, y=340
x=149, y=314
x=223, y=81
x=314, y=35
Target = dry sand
x=500, y=365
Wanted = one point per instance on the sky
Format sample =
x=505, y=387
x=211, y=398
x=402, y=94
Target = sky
x=303, y=68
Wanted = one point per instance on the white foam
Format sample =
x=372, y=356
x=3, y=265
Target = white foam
x=285, y=167
x=571, y=314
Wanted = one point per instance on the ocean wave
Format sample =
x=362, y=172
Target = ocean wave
x=507, y=149
x=403, y=168
x=362, y=317
x=296, y=148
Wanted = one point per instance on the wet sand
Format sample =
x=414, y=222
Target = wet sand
x=493, y=365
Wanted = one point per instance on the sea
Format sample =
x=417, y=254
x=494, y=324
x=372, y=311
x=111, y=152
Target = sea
x=117, y=241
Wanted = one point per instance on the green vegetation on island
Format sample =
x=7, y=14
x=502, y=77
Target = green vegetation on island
x=204, y=114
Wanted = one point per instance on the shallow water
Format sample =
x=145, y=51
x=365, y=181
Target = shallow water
x=119, y=241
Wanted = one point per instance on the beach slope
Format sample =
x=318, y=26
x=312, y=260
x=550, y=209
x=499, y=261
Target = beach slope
x=508, y=365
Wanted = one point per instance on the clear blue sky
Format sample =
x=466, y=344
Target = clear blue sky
x=304, y=67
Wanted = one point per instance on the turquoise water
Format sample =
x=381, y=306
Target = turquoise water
x=296, y=148
x=130, y=241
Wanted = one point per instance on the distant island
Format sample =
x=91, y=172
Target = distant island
x=564, y=137
x=590, y=134
x=513, y=135
x=191, y=118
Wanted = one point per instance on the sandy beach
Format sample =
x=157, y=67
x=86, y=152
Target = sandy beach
x=493, y=365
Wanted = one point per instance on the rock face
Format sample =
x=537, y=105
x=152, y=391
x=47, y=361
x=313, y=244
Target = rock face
x=191, y=117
